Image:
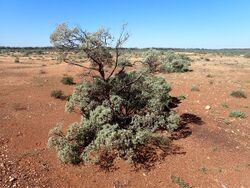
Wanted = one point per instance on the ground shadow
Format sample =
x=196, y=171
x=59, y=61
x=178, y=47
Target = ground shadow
x=149, y=156
x=184, y=130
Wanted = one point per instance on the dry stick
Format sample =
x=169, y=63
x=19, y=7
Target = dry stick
x=122, y=38
x=116, y=63
x=76, y=64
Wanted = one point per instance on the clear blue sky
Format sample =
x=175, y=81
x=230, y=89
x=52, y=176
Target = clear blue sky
x=152, y=23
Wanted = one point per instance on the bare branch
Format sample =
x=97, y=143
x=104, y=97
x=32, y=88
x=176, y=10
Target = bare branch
x=130, y=83
x=122, y=38
x=79, y=65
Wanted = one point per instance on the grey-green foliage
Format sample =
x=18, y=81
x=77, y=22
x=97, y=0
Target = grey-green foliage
x=180, y=182
x=168, y=62
x=117, y=120
x=121, y=113
x=175, y=62
x=151, y=59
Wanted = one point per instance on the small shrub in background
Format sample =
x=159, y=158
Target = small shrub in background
x=151, y=60
x=42, y=72
x=168, y=62
x=210, y=76
x=237, y=114
x=225, y=105
x=173, y=62
x=67, y=80
x=56, y=94
x=238, y=94
x=195, y=88
x=17, y=60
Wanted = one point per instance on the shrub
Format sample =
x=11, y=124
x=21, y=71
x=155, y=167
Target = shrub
x=173, y=62
x=56, y=94
x=16, y=60
x=195, y=88
x=121, y=111
x=67, y=80
x=237, y=114
x=238, y=94
x=169, y=62
x=151, y=60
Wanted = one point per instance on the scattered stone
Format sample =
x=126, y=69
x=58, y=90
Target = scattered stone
x=207, y=107
x=11, y=179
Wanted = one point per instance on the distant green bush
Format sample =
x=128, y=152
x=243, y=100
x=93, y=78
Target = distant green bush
x=151, y=59
x=238, y=94
x=173, y=62
x=237, y=114
x=67, y=80
x=169, y=62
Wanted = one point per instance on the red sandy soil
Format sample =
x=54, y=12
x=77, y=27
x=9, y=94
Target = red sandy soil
x=212, y=153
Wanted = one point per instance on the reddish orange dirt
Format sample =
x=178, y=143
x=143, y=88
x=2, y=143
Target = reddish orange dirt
x=214, y=149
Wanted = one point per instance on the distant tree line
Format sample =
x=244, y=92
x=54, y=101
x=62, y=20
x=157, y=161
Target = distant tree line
x=226, y=51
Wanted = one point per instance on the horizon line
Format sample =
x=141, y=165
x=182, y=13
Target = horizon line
x=139, y=48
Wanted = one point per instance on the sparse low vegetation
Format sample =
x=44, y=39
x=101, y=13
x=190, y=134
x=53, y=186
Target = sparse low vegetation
x=225, y=105
x=238, y=94
x=56, y=94
x=204, y=169
x=227, y=122
x=246, y=106
x=67, y=80
x=237, y=114
x=181, y=97
x=42, y=72
x=180, y=182
x=195, y=88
